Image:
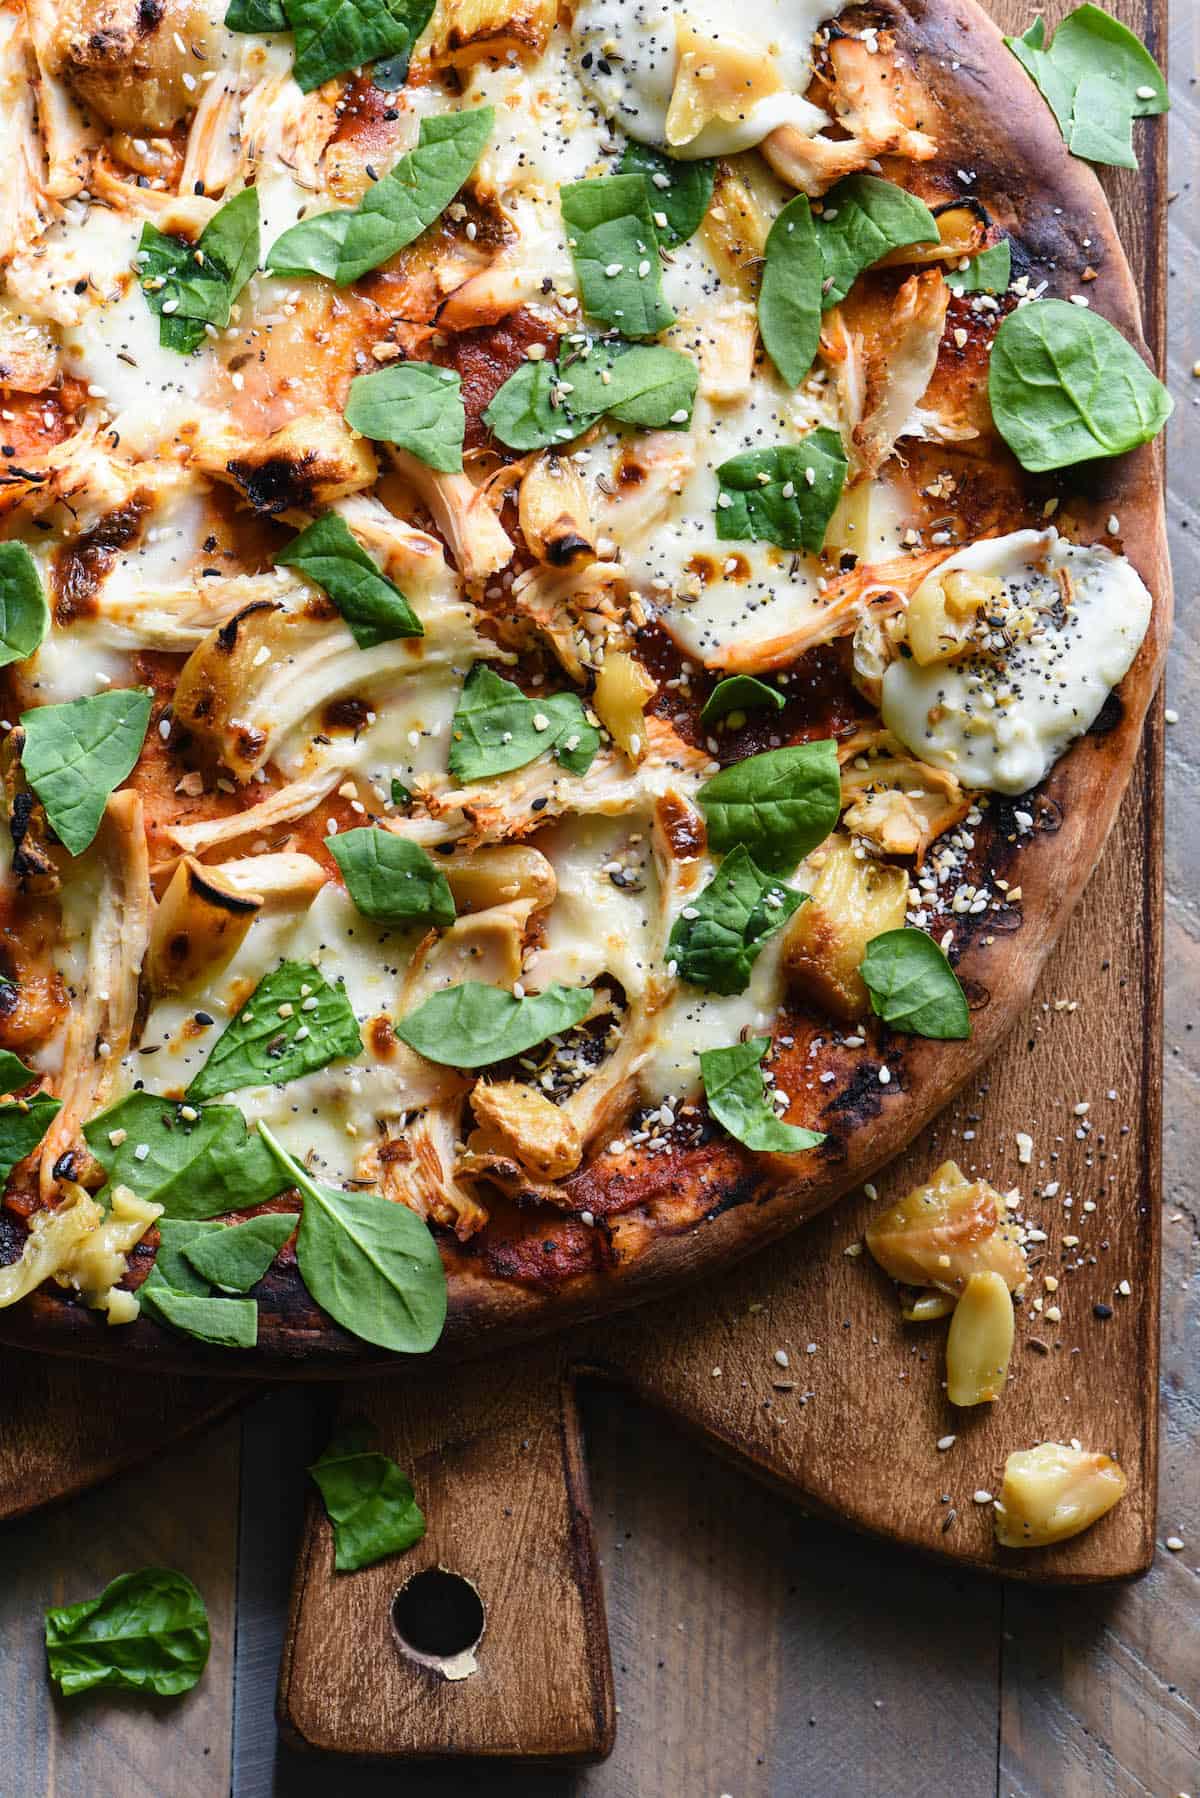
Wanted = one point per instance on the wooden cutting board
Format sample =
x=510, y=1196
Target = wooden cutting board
x=849, y=1426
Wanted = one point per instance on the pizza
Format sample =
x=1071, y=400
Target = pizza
x=578, y=590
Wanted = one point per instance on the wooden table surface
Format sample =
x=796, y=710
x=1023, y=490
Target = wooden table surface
x=757, y=1653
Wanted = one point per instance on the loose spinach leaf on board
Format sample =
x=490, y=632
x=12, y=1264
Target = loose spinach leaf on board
x=679, y=192
x=614, y=246
x=76, y=754
x=862, y=218
x=737, y=1098
x=371, y=1263
x=415, y=405
x=785, y=494
x=23, y=1123
x=258, y=16
x=789, y=299
x=716, y=940
x=1097, y=77
x=146, y=1632
x=496, y=728
x=373, y=607
x=333, y=36
x=236, y=1256
x=740, y=693
x=293, y=1023
x=369, y=1501
x=988, y=272
x=344, y=244
x=913, y=987
x=193, y=1167
x=635, y=383
x=222, y=1323
x=1065, y=387
x=474, y=1025
x=780, y=805
x=390, y=879
x=191, y=285
x=24, y=614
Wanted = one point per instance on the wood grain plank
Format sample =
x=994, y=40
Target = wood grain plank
x=185, y=1516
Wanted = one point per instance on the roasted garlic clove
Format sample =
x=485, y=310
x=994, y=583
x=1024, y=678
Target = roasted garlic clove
x=942, y=1233
x=853, y=899
x=623, y=688
x=1051, y=1492
x=942, y=614
x=199, y=924
x=927, y=1308
x=553, y=509
x=498, y=874
x=980, y=1341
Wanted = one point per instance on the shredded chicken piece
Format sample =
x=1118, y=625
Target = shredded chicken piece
x=530, y=1126
x=899, y=804
x=67, y=138
x=100, y=1024
x=23, y=211
x=465, y=515
x=580, y=612
x=28, y=353
x=876, y=100
x=293, y=801
x=881, y=379
x=285, y=877
x=184, y=214
x=872, y=589
x=417, y=1169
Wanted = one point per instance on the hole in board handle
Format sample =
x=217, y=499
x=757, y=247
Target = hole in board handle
x=438, y=1622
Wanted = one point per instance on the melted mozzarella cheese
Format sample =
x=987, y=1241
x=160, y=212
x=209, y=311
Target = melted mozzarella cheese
x=1001, y=718
x=628, y=56
x=331, y=1114
x=604, y=917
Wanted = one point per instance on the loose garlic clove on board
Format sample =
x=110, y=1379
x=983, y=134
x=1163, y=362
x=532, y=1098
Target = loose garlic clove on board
x=942, y=1233
x=1051, y=1493
x=980, y=1341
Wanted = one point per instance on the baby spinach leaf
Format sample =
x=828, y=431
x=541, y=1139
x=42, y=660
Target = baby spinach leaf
x=496, y=728
x=678, y=191
x=988, y=272
x=23, y=1123
x=147, y=1632
x=293, y=1023
x=223, y=1323
x=415, y=405
x=344, y=244
x=473, y=1025
x=1065, y=387
x=191, y=285
x=171, y=1265
x=192, y=1166
x=370, y=1262
x=789, y=299
x=636, y=383
x=614, y=246
x=236, y=1256
x=913, y=987
x=13, y=1072
x=780, y=805
x=716, y=939
x=577, y=741
x=374, y=607
x=1097, y=78
x=258, y=16
x=737, y=1098
x=24, y=614
x=401, y=795
x=785, y=494
x=369, y=1501
x=333, y=36
x=76, y=754
x=862, y=219
x=391, y=879
x=740, y=693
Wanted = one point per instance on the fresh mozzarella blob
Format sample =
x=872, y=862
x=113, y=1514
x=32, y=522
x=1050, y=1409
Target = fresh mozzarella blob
x=1000, y=718
x=628, y=55
x=605, y=915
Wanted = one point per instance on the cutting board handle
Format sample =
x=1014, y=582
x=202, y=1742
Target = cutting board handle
x=498, y=1468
